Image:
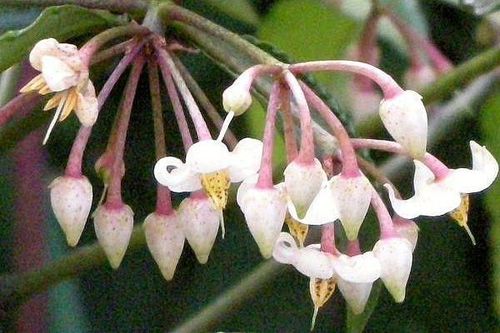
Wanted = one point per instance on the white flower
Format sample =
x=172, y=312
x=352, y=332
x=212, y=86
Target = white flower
x=71, y=200
x=210, y=166
x=236, y=98
x=405, y=118
x=362, y=268
x=406, y=229
x=264, y=210
x=355, y=294
x=309, y=260
x=434, y=197
x=395, y=257
x=165, y=239
x=63, y=72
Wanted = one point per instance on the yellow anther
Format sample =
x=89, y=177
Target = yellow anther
x=297, y=230
x=216, y=187
x=36, y=84
x=321, y=290
x=461, y=216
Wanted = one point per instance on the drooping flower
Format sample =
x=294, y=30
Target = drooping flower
x=405, y=118
x=64, y=73
x=437, y=196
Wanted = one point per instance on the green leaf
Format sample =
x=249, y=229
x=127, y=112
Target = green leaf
x=57, y=22
x=241, y=10
x=16, y=18
x=490, y=118
x=357, y=323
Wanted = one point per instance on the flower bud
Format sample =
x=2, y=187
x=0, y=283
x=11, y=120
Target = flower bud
x=264, y=210
x=165, y=239
x=405, y=118
x=236, y=98
x=303, y=182
x=352, y=196
x=200, y=222
x=355, y=294
x=395, y=257
x=71, y=199
x=113, y=228
x=406, y=229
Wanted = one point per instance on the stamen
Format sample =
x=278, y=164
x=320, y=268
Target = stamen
x=297, y=230
x=216, y=186
x=103, y=195
x=56, y=116
x=35, y=84
x=225, y=125
x=461, y=216
x=320, y=290
x=69, y=104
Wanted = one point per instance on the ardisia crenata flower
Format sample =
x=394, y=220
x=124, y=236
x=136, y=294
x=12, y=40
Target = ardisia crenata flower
x=71, y=200
x=406, y=229
x=65, y=73
x=439, y=192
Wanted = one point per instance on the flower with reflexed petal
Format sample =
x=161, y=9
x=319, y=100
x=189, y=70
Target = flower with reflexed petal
x=64, y=73
x=434, y=197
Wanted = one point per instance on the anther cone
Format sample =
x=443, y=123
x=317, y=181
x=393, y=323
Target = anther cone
x=395, y=257
x=264, y=211
x=71, y=200
x=200, y=222
x=165, y=239
x=355, y=294
x=113, y=228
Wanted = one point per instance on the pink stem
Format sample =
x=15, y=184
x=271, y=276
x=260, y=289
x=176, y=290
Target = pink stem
x=166, y=63
x=389, y=87
x=74, y=165
x=328, y=239
x=353, y=248
x=187, y=140
x=114, y=197
x=306, y=153
x=416, y=40
x=367, y=51
x=437, y=167
x=266, y=165
x=18, y=104
x=384, y=218
x=350, y=165
x=288, y=126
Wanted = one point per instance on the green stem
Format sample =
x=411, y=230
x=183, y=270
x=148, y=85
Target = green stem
x=123, y=6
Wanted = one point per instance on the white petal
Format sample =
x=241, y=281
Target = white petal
x=321, y=211
x=314, y=263
x=405, y=118
x=423, y=176
x=245, y=159
x=395, y=257
x=86, y=108
x=208, y=156
x=285, y=250
x=43, y=48
x=363, y=268
x=177, y=176
x=264, y=211
x=57, y=74
x=355, y=294
x=303, y=182
x=352, y=197
x=484, y=172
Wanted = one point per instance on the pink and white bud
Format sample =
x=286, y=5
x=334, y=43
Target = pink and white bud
x=264, y=210
x=71, y=200
x=352, y=196
x=405, y=118
x=395, y=257
x=302, y=183
x=236, y=98
x=355, y=294
x=165, y=239
x=419, y=77
x=406, y=229
x=200, y=223
x=113, y=228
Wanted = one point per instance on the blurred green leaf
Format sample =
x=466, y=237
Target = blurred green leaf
x=241, y=10
x=56, y=22
x=16, y=18
x=490, y=118
x=357, y=323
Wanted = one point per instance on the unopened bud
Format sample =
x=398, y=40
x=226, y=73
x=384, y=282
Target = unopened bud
x=236, y=98
x=71, y=200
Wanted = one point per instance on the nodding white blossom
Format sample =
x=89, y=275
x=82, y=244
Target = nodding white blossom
x=236, y=98
x=113, y=228
x=405, y=119
x=361, y=268
x=310, y=260
x=64, y=73
x=165, y=239
x=356, y=295
x=406, y=229
x=434, y=197
x=200, y=223
x=303, y=182
x=395, y=257
x=264, y=210
x=71, y=200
